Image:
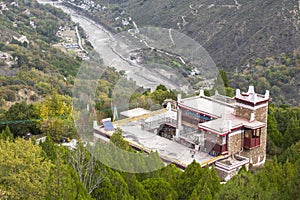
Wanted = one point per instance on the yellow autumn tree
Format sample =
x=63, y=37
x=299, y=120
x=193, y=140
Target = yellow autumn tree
x=56, y=114
x=24, y=170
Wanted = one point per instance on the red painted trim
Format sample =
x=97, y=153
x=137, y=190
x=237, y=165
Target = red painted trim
x=256, y=127
x=208, y=130
x=219, y=133
x=237, y=128
x=251, y=103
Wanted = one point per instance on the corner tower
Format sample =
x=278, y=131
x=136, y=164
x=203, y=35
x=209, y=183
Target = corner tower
x=254, y=108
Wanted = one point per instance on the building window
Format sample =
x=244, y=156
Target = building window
x=214, y=145
x=194, y=117
x=252, y=138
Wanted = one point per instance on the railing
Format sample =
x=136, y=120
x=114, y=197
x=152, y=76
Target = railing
x=156, y=124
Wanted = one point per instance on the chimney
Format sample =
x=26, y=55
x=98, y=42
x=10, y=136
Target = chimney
x=252, y=117
x=267, y=94
x=229, y=125
x=237, y=93
x=169, y=107
x=251, y=89
x=178, y=98
x=201, y=94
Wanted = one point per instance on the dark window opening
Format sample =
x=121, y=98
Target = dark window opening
x=166, y=131
x=252, y=138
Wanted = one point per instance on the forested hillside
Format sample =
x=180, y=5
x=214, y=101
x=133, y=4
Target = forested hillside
x=36, y=80
x=30, y=66
x=232, y=31
x=55, y=172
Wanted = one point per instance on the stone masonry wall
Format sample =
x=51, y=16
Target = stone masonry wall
x=234, y=143
x=243, y=112
x=256, y=154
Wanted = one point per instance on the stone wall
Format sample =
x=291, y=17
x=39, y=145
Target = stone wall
x=256, y=154
x=234, y=144
x=226, y=175
x=243, y=112
x=261, y=114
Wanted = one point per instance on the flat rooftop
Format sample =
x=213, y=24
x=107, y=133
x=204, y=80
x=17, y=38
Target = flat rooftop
x=135, y=112
x=207, y=105
x=167, y=149
x=222, y=112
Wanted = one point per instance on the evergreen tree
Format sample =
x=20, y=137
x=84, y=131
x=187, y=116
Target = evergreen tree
x=49, y=148
x=6, y=134
x=292, y=133
x=291, y=154
x=159, y=189
x=136, y=189
x=188, y=180
x=121, y=187
x=24, y=115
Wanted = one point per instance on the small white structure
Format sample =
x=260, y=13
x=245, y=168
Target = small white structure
x=134, y=112
x=71, y=145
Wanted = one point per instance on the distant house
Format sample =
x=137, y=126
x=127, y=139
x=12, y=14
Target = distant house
x=71, y=45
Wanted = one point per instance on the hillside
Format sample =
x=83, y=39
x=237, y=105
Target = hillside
x=30, y=66
x=255, y=42
x=232, y=31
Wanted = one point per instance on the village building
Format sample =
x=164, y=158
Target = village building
x=225, y=132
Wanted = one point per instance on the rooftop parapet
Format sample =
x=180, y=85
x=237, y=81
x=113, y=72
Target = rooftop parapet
x=252, y=97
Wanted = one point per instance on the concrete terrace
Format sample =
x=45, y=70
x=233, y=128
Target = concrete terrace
x=169, y=150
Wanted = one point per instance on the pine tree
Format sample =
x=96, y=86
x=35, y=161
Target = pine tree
x=6, y=134
x=188, y=180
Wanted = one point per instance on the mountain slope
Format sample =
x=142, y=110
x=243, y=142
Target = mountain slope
x=232, y=31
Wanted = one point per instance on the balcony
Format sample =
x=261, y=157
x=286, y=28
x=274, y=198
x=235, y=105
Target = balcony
x=250, y=143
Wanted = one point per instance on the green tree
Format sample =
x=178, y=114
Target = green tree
x=136, y=189
x=292, y=133
x=121, y=187
x=242, y=186
x=23, y=115
x=56, y=112
x=118, y=140
x=204, y=193
x=159, y=189
x=208, y=185
x=161, y=87
x=63, y=182
x=50, y=148
x=224, y=77
x=23, y=169
x=291, y=154
x=188, y=180
x=105, y=191
x=6, y=134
